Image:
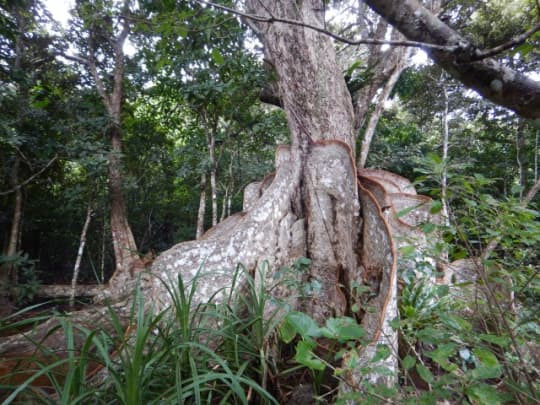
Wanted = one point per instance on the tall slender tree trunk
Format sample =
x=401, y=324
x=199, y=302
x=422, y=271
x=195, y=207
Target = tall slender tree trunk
x=80, y=251
x=445, y=145
x=536, y=155
x=521, y=159
x=211, y=145
x=125, y=249
x=202, y=207
x=8, y=271
x=401, y=63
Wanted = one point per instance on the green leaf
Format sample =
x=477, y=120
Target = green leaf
x=434, y=158
x=456, y=322
x=427, y=228
x=382, y=353
x=342, y=329
x=217, y=57
x=303, y=324
x=443, y=290
x=407, y=250
x=302, y=262
x=408, y=362
x=287, y=332
x=436, y=207
x=441, y=355
x=483, y=394
x=424, y=373
x=501, y=341
x=487, y=365
x=305, y=356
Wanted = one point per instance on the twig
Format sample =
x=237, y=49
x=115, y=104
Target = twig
x=507, y=45
x=29, y=179
x=273, y=19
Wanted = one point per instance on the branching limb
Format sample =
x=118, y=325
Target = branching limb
x=273, y=19
x=32, y=177
x=518, y=40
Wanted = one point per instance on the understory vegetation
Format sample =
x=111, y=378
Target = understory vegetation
x=463, y=342
x=135, y=130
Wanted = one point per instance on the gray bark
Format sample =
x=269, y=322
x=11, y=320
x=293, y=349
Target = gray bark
x=400, y=61
x=202, y=207
x=80, y=252
x=490, y=78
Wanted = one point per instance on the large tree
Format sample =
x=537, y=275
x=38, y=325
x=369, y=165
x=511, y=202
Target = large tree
x=101, y=31
x=313, y=205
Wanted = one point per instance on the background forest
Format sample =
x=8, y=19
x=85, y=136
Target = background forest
x=148, y=120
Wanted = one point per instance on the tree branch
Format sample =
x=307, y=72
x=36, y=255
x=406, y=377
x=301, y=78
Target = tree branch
x=273, y=19
x=507, y=45
x=116, y=98
x=491, y=79
x=32, y=177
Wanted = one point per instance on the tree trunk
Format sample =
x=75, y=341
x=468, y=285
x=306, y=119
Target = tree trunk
x=521, y=159
x=211, y=145
x=310, y=207
x=125, y=248
x=400, y=61
x=444, y=179
x=202, y=208
x=80, y=252
x=8, y=271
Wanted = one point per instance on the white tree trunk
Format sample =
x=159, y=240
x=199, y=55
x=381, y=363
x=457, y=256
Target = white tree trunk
x=379, y=108
x=202, y=207
x=80, y=252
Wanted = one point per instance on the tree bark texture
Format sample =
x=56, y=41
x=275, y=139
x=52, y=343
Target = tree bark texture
x=400, y=61
x=310, y=206
x=125, y=248
x=490, y=78
x=202, y=208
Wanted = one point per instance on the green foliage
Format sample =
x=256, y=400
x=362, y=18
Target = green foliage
x=179, y=355
x=27, y=285
x=462, y=341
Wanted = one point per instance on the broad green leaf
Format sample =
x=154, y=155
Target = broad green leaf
x=442, y=354
x=424, y=373
x=408, y=362
x=502, y=341
x=407, y=250
x=304, y=356
x=487, y=365
x=342, y=329
x=436, y=207
x=456, y=322
x=483, y=394
x=287, y=332
x=303, y=324
x=427, y=228
x=217, y=57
